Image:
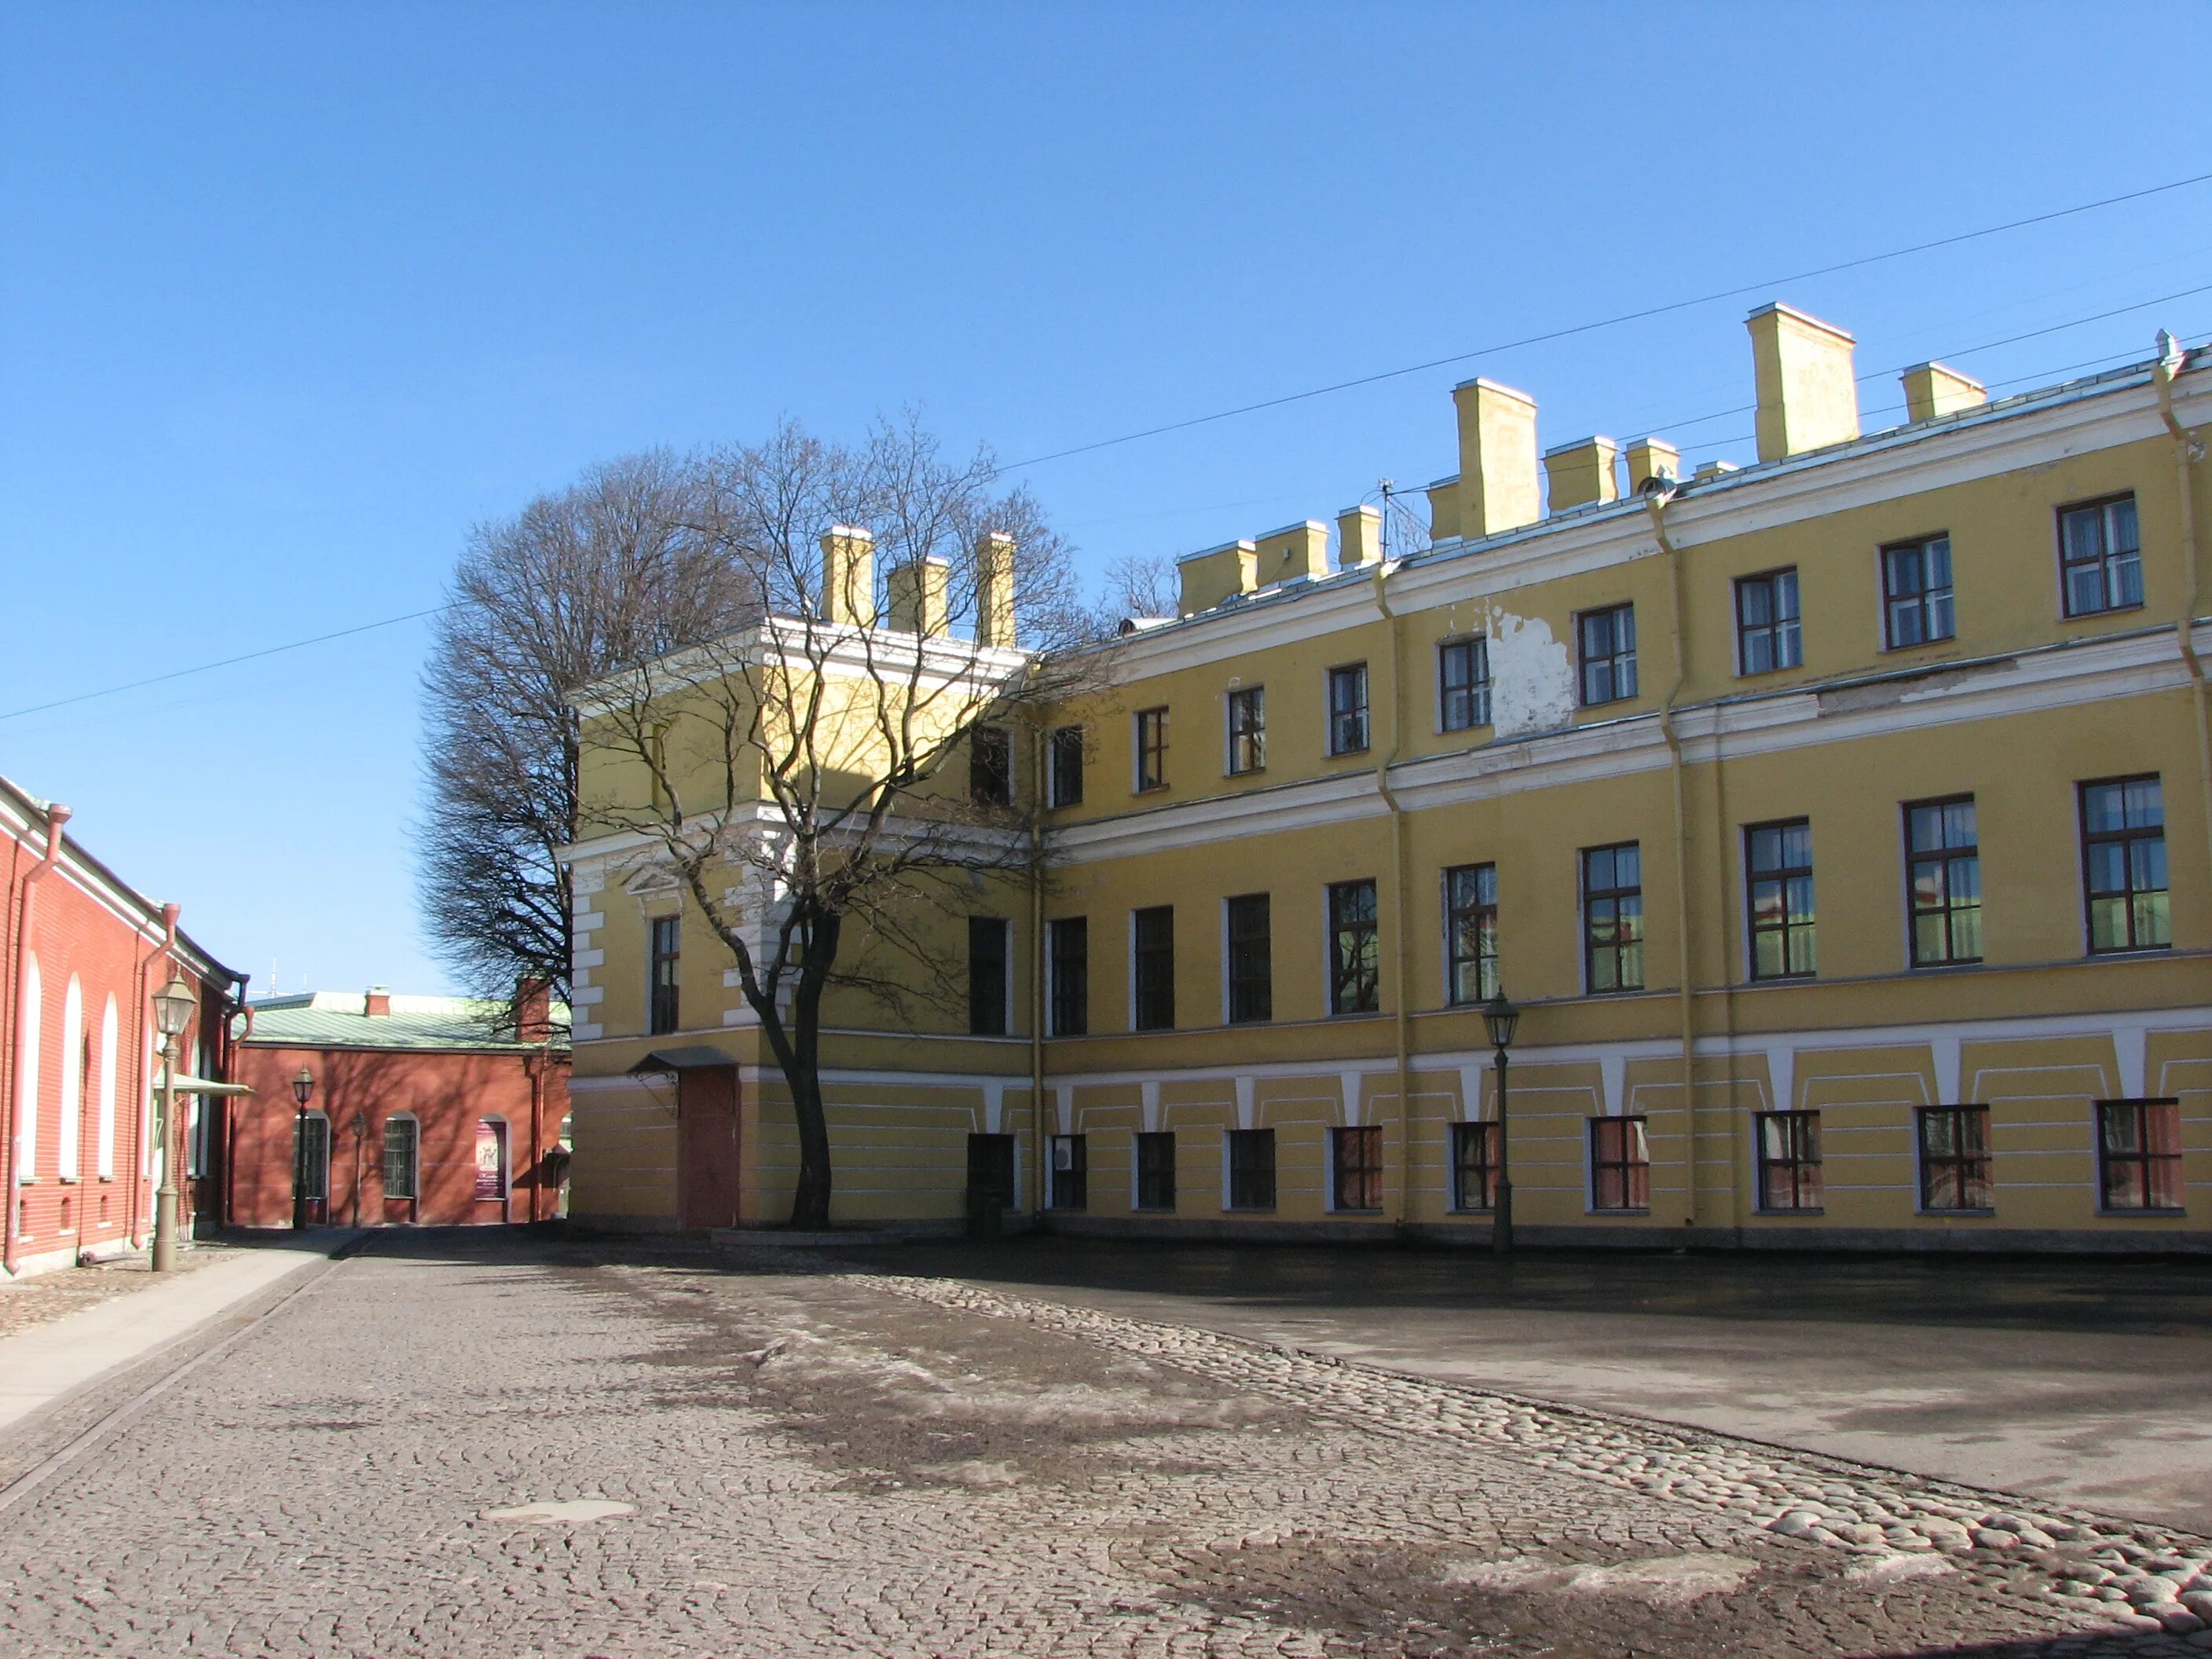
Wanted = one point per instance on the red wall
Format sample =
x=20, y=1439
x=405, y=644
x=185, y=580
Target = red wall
x=446, y=1092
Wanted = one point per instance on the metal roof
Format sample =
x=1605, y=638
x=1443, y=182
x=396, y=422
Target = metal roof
x=336, y=1019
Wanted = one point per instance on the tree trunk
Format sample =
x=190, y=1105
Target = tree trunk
x=809, y=1200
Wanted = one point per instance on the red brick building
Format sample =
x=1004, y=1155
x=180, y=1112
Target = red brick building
x=80, y=954
x=432, y=1111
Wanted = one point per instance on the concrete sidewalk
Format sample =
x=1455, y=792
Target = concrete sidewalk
x=39, y=1365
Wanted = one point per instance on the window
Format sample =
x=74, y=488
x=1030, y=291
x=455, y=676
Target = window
x=1789, y=1160
x=1153, y=952
x=1067, y=762
x=1347, y=709
x=1944, y=881
x=401, y=1150
x=1463, y=683
x=991, y=1173
x=1916, y=593
x=1608, y=639
x=1767, y=633
x=1358, y=1160
x=2123, y=864
x=1251, y=1168
x=1470, y=931
x=1612, y=918
x=1070, y=967
x=987, y=976
x=1251, y=962
x=1474, y=1166
x=1151, y=747
x=1156, y=1186
x=1955, y=1158
x=991, y=766
x=1620, y=1164
x=1247, y=729
x=1778, y=898
x=2139, y=1154
x=1071, y=1172
x=667, y=951
x=1355, y=949
x=2100, y=556
x=311, y=1156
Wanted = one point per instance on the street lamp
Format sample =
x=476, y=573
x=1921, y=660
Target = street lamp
x=172, y=1011
x=1501, y=1017
x=303, y=1086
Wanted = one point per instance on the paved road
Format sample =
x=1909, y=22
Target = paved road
x=454, y=1446
x=2088, y=1382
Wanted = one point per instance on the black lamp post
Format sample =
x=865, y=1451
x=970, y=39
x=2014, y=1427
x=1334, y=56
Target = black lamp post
x=1501, y=1017
x=303, y=1086
x=174, y=1006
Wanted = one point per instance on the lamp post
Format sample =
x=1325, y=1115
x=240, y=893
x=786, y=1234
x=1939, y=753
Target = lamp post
x=303, y=1086
x=1501, y=1017
x=172, y=1011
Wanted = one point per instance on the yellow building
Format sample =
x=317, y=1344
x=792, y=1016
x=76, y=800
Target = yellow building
x=1838, y=824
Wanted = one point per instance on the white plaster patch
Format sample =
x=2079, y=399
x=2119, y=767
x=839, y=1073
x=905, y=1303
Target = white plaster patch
x=1661, y=1581
x=563, y=1512
x=1896, y=1569
x=1532, y=676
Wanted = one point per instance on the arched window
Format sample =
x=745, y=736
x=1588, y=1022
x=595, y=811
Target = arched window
x=29, y=1016
x=72, y=1078
x=108, y=1046
x=403, y=1140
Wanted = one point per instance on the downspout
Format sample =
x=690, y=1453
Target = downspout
x=237, y=1041
x=1654, y=503
x=1036, y=976
x=144, y=1113
x=57, y=816
x=1401, y=1013
x=2187, y=451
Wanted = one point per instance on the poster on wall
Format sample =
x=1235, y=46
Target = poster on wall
x=491, y=1159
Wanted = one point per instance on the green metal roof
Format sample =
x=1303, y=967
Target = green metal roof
x=336, y=1019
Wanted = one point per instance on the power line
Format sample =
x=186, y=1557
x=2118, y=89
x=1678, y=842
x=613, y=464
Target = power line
x=1602, y=323
x=228, y=662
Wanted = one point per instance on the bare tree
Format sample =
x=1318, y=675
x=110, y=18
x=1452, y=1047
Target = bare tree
x=1139, y=586
x=825, y=785
x=610, y=572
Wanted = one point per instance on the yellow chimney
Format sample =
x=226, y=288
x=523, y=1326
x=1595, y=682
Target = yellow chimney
x=1582, y=472
x=1444, y=509
x=994, y=588
x=916, y=592
x=1807, y=397
x=1298, y=550
x=848, y=576
x=1931, y=390
x=1650, y=459
x=1497, y=459
x=1358, y=536
x=1211, y=576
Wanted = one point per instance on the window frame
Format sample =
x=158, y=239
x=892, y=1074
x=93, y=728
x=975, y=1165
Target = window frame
x=1475, y=648
x=311, y=1127
x=989, y=991
x=1244, y=724
x=1146, y=1166
x=1921, y=599
x=1614, y=895
x=2124, y=836
x=2149, y=1164
x=1060, y=996
x=1077, y=1172
x=1635, y=1174
x=1478, y=1136
x=990, y=767
x=1483, y=913
x=1148, y=746
x=1352, y=674
x=664, y=992
x=1948, y=858
x=1236, y=1171
x=1365, y=1173
x=2107, y=563
x=1777, y=630
x=1618, y=663
x=1800, y=1157
x=1064, y=758
x=413, y=1127
x=1782, y=876
x=1157, y=952
x=1971, y=1168
x=1232, y=940
x=1367, y=936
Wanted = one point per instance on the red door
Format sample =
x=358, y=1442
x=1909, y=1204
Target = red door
x=706, y=1147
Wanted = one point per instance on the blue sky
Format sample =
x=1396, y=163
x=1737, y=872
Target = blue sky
x=292, y=295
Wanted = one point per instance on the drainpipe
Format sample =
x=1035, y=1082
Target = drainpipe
x=141, y=1113
x=1654, y=503
x=1401, y=1013
x=57, y=816
x=2187, y=451
x=1036, y=976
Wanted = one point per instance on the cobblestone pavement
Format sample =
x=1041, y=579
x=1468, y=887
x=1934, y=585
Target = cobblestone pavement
x=454, y=1447
x=43, y=1296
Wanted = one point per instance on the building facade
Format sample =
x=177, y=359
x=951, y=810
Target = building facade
x=1837, y=823
x=429, y=1111
x=82, y=954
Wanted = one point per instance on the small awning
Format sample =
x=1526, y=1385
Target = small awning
x=694, y=1059
x=188, y=1085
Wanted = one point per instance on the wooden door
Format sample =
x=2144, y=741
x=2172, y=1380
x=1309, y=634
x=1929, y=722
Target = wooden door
x=706, y=1147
